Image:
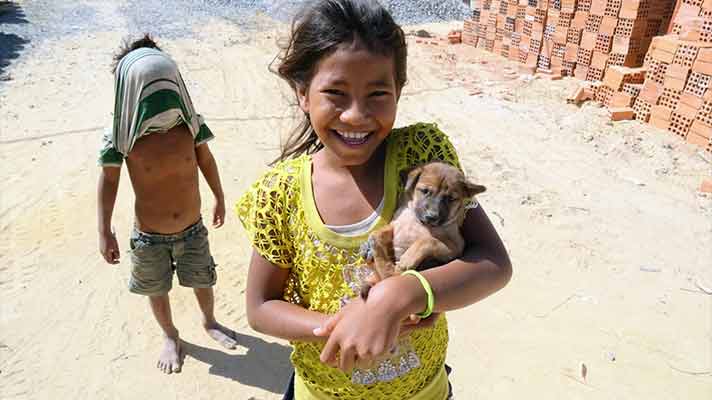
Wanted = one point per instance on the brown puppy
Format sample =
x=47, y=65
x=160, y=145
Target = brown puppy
x=426, y=225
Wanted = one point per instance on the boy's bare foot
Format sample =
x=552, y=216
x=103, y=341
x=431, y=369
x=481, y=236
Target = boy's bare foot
x=170, y=359
x=225, y=336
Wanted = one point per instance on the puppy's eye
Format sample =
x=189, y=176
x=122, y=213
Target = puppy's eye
x=424, y=191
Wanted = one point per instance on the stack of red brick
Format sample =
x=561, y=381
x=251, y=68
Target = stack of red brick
x=673, y=90
x=568, y=37
x=618, y=32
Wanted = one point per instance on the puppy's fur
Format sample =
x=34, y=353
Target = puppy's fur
x=425, y=230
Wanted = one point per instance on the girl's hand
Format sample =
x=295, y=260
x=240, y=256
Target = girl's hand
x=359, y=332
x=408, y=325
x=413, y=322
x=362, y=331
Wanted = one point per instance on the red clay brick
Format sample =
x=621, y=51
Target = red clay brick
x=677, y=71
x=581, y=71
x=708, y=97
x=598, y=7
x=698, y=140
x=588, y=40
x=705, y=55
x=642, y=109
x=676, y=76
x=702, y=67
x=660, y=112
x=621, y=99
x=608, y=25
x=579, y=21
x=571, y=52
x=621, y=113
x=688, y=106
x=659, y=122
x=599, y=60
x=614, y=77
x=629, y=9
x=650, y=91
x=679, y=124
x=702, y=129
x=706, y=186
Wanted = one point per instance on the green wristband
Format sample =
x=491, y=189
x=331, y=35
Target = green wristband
x=428, y=290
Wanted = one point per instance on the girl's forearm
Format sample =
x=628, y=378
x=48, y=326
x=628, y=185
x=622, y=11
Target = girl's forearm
x=286, y=321
x=471, y=278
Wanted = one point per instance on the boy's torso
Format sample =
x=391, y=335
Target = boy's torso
x=164, y=174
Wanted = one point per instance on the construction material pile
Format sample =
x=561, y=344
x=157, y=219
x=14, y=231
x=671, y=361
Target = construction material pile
x=568, y=37
x=673, y=89
x=645, y=59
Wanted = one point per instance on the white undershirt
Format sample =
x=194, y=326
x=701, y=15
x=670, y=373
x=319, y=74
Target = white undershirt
x=360, y=227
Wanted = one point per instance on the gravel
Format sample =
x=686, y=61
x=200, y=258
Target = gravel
x=36, y=20
x=25, y=24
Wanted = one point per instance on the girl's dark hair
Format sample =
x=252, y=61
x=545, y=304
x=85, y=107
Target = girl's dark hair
x=128, y=46
x=317, y=31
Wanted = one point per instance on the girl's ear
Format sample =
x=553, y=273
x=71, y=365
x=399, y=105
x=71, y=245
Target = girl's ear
x=303, y=97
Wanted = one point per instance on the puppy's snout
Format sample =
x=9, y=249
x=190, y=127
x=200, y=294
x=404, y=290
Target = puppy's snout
x=430, y=216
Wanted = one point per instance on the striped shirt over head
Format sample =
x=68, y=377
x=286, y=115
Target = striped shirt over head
x=150, y=96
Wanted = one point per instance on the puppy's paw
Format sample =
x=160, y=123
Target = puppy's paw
x=366, y=250
x=406, y=262
x=400, y=268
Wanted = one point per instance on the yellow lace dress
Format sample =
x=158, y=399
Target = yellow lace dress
x=326, y=270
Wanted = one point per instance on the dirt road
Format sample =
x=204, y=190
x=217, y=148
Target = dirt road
x=609, y=238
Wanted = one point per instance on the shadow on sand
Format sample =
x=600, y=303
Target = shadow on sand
x=265, y=365
x=10, y=44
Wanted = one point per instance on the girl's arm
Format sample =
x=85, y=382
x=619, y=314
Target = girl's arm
x=268, y=313
x=483, y=269
x=366, y=330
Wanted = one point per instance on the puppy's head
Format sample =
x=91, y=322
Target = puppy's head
x=437, y=193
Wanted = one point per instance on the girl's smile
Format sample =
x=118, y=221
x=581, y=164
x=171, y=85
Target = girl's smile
x=351, y=103
x=353, y=138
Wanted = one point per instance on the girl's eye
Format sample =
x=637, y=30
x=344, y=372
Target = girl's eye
x=379, y=93
x=449, y=199
x=334, y=92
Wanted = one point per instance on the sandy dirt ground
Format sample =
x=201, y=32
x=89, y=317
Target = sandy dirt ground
x=610, y=240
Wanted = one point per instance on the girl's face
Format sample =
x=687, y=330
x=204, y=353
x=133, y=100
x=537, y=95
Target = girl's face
x=351, y=102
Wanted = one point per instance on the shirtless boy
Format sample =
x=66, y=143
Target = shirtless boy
x=164, y=143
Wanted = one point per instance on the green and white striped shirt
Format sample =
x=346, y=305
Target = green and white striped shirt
x=150, y=96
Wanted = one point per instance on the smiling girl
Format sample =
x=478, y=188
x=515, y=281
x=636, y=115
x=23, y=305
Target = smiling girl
x=336, y=181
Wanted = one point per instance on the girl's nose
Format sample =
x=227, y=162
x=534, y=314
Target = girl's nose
x=356, y=114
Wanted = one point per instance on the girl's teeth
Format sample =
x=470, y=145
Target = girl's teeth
x=353, y=135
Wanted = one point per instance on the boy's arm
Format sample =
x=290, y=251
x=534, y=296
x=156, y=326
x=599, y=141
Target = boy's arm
x=268, y=313
x=209, y=168
x=106, y=198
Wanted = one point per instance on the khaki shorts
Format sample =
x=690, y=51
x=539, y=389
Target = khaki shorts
x=155, y=256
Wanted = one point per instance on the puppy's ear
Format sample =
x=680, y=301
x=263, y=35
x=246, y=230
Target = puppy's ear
x=472, y=189
x=412, y=180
